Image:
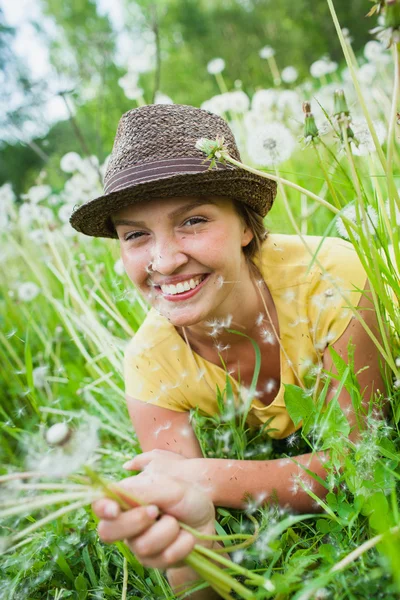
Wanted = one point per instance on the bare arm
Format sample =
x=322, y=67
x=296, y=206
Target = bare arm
x=228, y=481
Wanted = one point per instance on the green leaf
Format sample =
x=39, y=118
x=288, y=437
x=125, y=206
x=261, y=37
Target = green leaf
x=299, y=406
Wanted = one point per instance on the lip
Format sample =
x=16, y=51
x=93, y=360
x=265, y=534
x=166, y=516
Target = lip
x=184, y=295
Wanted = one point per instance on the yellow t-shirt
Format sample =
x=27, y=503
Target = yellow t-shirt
x=311, y=305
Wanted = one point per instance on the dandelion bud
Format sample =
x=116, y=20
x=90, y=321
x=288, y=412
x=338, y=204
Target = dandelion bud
x=392, y=13
x=58, y=434
x=310, y=127
x=340, y=104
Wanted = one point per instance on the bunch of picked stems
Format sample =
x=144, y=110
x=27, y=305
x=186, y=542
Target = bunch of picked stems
x=82, y=491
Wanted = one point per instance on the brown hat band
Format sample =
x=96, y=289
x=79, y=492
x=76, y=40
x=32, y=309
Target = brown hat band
x=159, y=169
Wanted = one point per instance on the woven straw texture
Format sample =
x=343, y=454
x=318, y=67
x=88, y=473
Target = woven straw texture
x=157, y=132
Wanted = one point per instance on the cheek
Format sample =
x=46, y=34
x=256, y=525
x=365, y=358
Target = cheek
x=135, y=266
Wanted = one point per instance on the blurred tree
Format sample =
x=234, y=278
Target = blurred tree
x=183, y=35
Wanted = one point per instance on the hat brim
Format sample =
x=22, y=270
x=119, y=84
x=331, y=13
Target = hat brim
x=94, y=217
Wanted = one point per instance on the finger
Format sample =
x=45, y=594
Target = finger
x=187, y=503
x=106, y=509
x=157, y=538
x=140, y=461
x=173, y=556
x=129, y=524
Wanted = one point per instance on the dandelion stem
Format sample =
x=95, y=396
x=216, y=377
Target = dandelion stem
x=125, y=580
x=41, y=501
x=257, y=579
x=51, y=517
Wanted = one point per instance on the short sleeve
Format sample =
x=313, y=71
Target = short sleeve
x=148, y=380
x=333, y=291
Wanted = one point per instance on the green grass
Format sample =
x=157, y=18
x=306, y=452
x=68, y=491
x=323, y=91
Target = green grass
x=62, y=355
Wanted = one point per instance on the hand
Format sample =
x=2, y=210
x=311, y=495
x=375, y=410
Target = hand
x=191, y=470
x=159, y=543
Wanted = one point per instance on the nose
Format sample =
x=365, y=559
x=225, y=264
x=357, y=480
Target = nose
x=168, y=256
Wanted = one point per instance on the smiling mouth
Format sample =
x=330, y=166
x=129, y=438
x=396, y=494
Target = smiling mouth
x=183, y=289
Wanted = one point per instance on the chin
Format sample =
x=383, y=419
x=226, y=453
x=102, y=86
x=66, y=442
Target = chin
x=178, y=318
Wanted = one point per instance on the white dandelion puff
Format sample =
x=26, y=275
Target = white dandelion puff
x=375, y=52
x=364, y=138
x=28, y=291
x=397, y=362
x=289, y=74
x=119, y=267
x=350, y=213
x=71, y=162
x=397, y=212
x=40, y=376
x=266, y=52
x=271, y=144
x=37, y=193
x=215, y=66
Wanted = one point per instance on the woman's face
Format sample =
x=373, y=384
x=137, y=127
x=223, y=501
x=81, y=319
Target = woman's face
x=185, y=255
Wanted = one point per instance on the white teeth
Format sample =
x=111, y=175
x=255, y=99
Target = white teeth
x=182, y=286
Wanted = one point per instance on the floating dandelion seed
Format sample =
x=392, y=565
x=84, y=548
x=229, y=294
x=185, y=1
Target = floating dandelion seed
x=260, y=319
x=270, y=385
x=220, y=281
x=291, y=440
x=164, y=427
x=222, y=348
x=267, y=336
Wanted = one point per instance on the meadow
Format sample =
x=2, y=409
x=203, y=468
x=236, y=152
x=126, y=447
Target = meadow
x=68, y=310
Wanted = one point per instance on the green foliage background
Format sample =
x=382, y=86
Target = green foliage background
x=190, y=33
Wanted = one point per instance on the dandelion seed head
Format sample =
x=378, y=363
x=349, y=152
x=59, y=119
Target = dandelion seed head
x=397, y=361
x=60, y=461
x=27, y=291
x=350, y=213
x=270, y=144
x=266, y=52
x=289, y=74
x=215, y=66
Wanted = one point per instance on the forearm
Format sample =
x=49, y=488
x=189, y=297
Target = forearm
x=229, y=481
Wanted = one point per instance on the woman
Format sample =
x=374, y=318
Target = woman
x=193, y=243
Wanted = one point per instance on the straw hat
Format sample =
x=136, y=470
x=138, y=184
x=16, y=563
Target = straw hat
x=154, y=156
